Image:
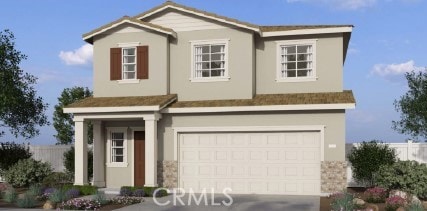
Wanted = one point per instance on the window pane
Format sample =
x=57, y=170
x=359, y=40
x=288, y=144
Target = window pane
x=205, y=73
x=129, y=75
x=119, y=151
x=217, y=48
x=205, y=65
x=291, y=65
x=129, y=68
x=290, y=49
x=216, y=57
x=302, y=65
x=291, y=58
x=215, y=65
x=302, y=73
x=290, y=73
x=303, y=49
x=205, y=49
x=216, y=73
x=118, y=143
x=129, y=59
x=117, y=136
x=129, y=51
x=205, y=57
x=119, y=159
x=303, y=57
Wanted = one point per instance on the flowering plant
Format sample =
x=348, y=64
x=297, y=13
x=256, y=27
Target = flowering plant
x=46, y=194
x=126, y=200
x=72, y=193
x=394, y=202
x=80, y=204
x=376, y=195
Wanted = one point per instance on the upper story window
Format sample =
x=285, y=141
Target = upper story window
x=296, y=61
x=209, y=60
x=129, y=63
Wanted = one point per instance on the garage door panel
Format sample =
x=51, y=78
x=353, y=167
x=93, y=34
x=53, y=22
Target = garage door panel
x=262, y=163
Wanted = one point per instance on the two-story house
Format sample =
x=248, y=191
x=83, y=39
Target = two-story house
x=185, y=98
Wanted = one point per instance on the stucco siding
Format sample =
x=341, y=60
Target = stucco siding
x=156, y=84
x=329, y=66
x=334, y=122
x=240, y=66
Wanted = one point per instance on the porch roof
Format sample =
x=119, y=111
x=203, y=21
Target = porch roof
x=345, y=97
x=158, y=100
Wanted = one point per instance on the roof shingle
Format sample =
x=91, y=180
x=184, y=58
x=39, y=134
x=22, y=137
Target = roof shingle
x=159, y=100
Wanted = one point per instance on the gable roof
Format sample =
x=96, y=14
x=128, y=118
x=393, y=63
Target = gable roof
x=197, y=12
x=269, y=31
x=88, y=37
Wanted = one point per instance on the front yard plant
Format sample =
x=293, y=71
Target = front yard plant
x=375, y=195
x=11, y=153
x=394, y=202
x=408, y=176
x=342, y=201
x=10, y=195
x=26, y=172
x=367, y=158
x=27, y=200
x=80, y=204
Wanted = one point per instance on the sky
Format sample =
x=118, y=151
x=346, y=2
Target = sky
x=388, y=40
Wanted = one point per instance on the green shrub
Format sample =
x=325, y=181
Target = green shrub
x=57, y=179
x=84, y=189
x=415, y=207
x=101, y=198
x=11, y=153
x=409, y=176
x=149, y=191
x=26, y=201
x=367, y=158
x=26, y=172
x=10, y=195
x=69, y=162
x=35, y=190
x=342, y=201
x=58, y=196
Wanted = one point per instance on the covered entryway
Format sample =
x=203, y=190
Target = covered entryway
x=251, y=162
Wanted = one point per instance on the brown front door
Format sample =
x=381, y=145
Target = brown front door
x=139, y=137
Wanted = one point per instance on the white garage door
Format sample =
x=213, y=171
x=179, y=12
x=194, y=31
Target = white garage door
x=260, y=163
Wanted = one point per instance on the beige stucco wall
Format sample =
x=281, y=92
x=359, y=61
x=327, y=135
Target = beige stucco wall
x=240, y=66
x=121, y=176
x=156, y=84
x=329, y=66
x=333, y=120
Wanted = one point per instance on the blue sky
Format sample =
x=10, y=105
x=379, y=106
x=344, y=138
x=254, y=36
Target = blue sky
x=387, y=41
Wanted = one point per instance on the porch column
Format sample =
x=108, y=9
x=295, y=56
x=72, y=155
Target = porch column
x=98, y=155
x=80, y=155
x=151, y=150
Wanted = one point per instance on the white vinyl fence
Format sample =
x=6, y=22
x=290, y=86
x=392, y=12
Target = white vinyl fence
x=52, y=154
x=405, y=151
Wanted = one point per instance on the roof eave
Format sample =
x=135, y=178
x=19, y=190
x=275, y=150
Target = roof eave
x=346, y=29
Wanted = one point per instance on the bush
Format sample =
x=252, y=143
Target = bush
x=27, y=201
x=408, y=176
x=80, y=204
x=58, y=196
x=69, y=162
x=35, y=190
x=46, y=193
x=100, y=197
x=11, y=153
x=57, y=179
x=394, y=202
x=4, y=186
x=10, y=195
x=125, y=191
x=126, y=200
x=139, y=193
x=415, y=207
x=86, y=189
x=72, y=193
x=342, y=201
x=375, y=195
x=26, y=172
x=367, y=158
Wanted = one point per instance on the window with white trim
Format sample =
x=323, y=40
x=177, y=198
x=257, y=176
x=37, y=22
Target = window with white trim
x=117, y=147
x=209, y=60
x=129, y=63
x=296, y=60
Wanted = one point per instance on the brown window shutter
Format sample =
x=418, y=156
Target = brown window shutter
x=115, y=63
x=142, y=62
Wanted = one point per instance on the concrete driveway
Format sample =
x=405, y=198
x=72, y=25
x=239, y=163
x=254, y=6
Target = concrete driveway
x=240, y=203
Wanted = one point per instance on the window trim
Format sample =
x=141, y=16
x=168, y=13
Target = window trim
x=279, y=44
x=123, y=130
x=129, y=45
x=226, y=76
